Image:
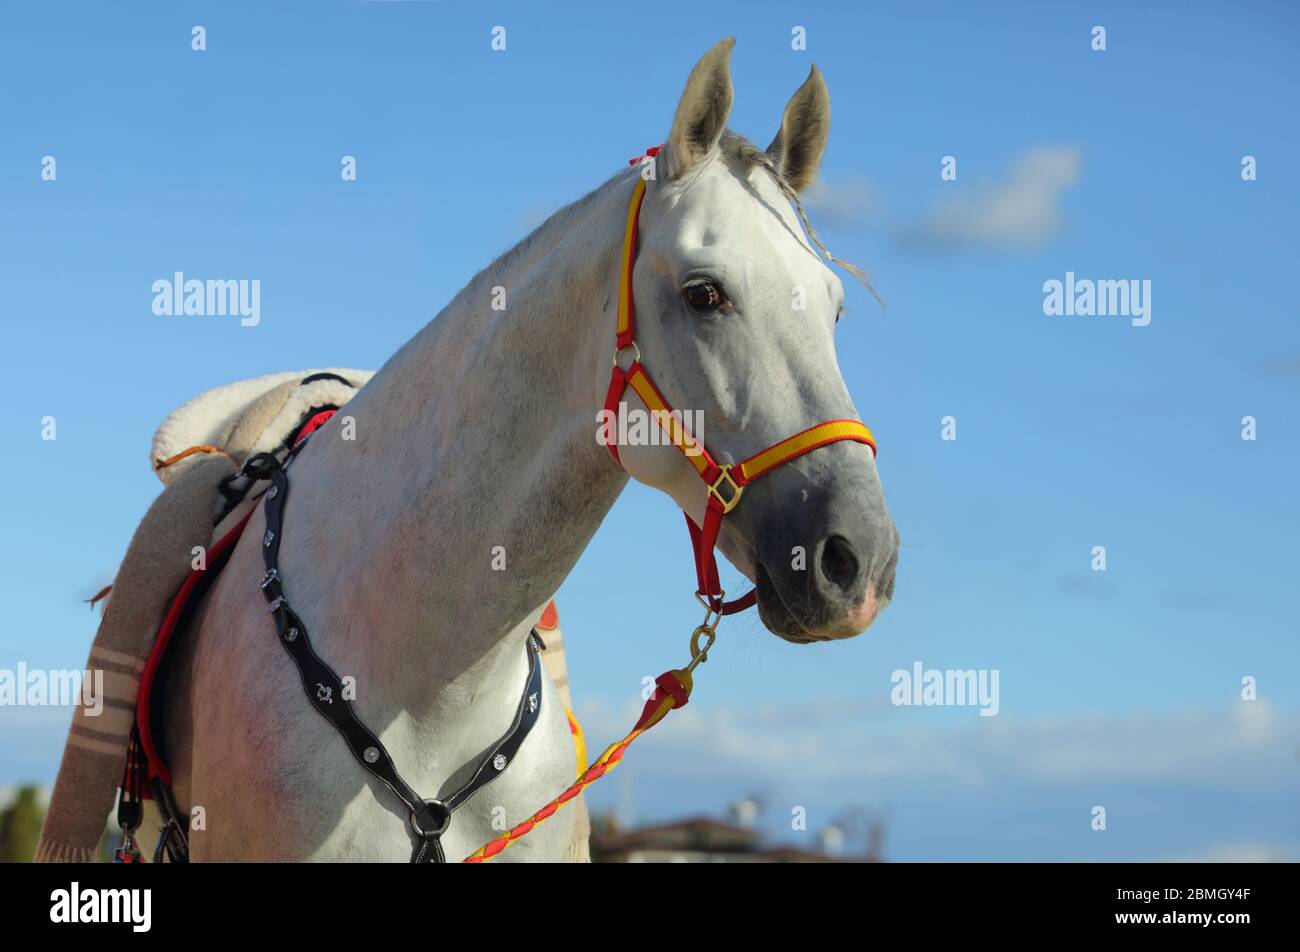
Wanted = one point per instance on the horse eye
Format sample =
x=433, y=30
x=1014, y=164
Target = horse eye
x=703, y=296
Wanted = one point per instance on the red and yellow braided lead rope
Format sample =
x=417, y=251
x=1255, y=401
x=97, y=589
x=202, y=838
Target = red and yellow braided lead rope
x=673, y=689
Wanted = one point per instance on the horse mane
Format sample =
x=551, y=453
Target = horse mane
x=751, y=156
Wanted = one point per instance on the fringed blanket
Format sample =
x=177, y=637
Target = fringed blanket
x=228, y=424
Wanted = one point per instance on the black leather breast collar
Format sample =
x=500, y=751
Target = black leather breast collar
x=429, y=817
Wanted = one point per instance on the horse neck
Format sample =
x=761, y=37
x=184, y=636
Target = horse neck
x=475, y=479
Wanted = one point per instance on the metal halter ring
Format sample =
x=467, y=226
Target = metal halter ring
x=437, y=815
x=712, y=609
x=636, y=352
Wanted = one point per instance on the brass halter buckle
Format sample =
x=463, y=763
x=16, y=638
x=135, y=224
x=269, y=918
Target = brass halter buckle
x=724, y=476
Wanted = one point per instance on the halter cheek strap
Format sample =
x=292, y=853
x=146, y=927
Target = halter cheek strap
x=724, y=482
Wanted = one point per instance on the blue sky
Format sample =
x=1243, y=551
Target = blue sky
x=1072, y=432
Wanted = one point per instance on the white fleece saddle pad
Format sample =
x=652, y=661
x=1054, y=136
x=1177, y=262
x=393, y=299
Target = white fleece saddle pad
x=212, y=417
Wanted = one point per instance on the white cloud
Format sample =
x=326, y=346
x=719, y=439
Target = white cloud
x=849, y=201
x=1249, y=745
x=1021, y=212
x=1237, y=853
x=1205, y=784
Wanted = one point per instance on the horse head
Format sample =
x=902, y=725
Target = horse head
x=735, y=319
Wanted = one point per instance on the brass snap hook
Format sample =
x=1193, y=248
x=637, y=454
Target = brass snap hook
x=701, y=654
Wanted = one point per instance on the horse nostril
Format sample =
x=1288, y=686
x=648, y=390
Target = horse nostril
x=839, y=563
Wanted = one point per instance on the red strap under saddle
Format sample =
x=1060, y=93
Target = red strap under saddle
x=149, y=747
x=148, y=743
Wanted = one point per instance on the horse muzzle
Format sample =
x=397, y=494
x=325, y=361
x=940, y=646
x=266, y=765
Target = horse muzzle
x=822, y=580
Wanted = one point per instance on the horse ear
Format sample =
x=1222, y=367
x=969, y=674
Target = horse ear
x=799, y=144
x=703, y=110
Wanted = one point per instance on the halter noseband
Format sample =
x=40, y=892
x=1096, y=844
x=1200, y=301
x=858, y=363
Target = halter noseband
x=725, y=482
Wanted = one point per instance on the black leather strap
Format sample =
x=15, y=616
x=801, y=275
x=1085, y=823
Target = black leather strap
x=326, y=376
x=174, y=840
x=236, y=487
x=429, y=818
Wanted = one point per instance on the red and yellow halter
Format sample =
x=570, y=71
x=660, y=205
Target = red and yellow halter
x=725, y=482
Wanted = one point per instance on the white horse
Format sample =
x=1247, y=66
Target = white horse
x=481, y=432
